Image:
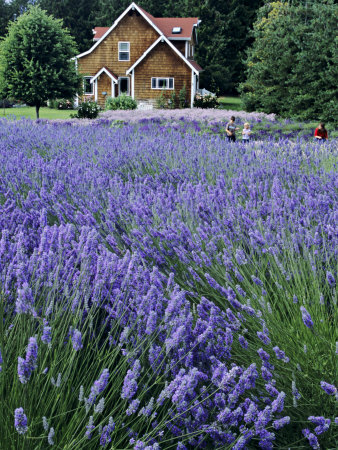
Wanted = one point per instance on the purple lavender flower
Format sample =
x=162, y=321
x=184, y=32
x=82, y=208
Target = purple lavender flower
x=330, y=279
x=322, y=424
x=280, y=423
x=263, y=354
x=90, y=427
x=181, y=446
x=243, y=342
x=306, y=317
x=278, y=404
x=46, y=337
x=45, y=423
x=240, y=257
x=330, y=389
x=263, y=337
x=313, y=441
x=106, y=433
x=133, y=407
x=77, y=340
x=280, y=354
x=130, y=384
x=1, y=361
x=24, y=302
x=51, y=435
x=20, y=421
x=257, y=281
x=98, y=386
x=27, y=365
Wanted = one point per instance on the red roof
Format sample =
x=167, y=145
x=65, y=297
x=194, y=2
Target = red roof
x=111, y=73
x=99, y=32
x=165, y=24
x=195, y=65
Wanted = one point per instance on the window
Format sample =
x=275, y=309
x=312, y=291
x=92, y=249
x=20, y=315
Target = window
x=162, y=83
x=177, y=30
x=124, y=51
x=87, y=86
x=190, y=50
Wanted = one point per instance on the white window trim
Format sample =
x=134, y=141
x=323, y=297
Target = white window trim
x=84, y=85
x=124, y=51
x=162, y=78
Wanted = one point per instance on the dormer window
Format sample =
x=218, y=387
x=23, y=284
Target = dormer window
x=124, y=51
x=177, y=30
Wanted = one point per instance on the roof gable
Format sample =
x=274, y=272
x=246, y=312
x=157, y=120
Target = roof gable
x=194, y=67
x=110, y=74
x=132, y=6
x=163, y=25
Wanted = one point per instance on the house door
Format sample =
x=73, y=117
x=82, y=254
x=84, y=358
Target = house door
x=124, y=85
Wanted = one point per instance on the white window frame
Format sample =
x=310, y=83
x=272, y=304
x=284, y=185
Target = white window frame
x=119, y=85
x=124, y=51
x=162, y=78
x=84, y=85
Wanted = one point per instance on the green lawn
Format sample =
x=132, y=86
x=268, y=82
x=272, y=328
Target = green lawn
x=232, y=103
x=29, y=112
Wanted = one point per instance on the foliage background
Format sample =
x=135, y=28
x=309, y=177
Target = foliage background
x=292, y=66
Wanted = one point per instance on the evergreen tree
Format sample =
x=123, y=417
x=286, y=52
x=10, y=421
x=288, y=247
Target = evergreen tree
x=78, y=16
x=292, y=65
x=35, y=60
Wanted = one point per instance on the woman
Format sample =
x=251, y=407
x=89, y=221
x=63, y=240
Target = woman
x=321, y=132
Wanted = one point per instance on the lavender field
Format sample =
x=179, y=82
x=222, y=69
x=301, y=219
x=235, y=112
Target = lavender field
x=162, y=288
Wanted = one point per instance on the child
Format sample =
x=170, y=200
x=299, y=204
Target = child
x=231, y=129
x=320, y=132
x=246, y=133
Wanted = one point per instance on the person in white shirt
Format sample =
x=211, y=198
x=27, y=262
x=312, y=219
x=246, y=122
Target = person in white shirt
x=246, y=133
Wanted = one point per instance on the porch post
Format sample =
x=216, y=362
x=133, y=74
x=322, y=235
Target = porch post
x=95, y=90
x=133, y=84
x=76, y=102
x=112, y=88
x=192, y=89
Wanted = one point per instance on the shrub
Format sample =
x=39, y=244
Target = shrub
x=206, y=101
x=60, y=104
x=182, y=97
x=121, y=102
x=172, y=100
x=87, y=110
x=161, y=101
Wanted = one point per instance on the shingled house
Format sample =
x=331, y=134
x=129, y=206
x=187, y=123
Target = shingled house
x=141, y=55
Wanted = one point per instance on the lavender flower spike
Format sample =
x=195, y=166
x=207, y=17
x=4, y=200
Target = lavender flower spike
x=330, y=389
x=77, y=340
x=330, y=279
x=20, y=421
x=51, y=436
x=306, y=317
x=98, y=386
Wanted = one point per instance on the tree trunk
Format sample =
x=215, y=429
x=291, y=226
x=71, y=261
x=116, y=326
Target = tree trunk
x=37, y=108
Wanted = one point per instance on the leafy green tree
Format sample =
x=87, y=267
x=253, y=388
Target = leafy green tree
x=35, y=60
x=292, y=65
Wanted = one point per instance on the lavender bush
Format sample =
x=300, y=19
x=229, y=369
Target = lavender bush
x=165, y=289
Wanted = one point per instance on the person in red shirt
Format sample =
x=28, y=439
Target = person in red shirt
x=321, y=132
